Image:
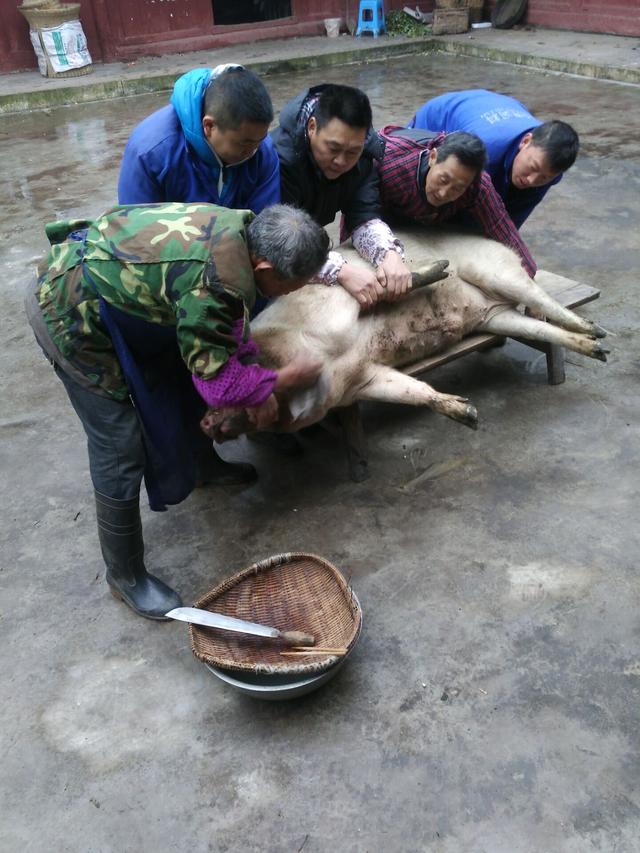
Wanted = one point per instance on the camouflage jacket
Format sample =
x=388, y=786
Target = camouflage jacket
x=182, y=265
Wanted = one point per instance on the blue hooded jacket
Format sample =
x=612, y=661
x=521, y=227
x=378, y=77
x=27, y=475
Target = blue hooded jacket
x=500, y=122
x=167, y=158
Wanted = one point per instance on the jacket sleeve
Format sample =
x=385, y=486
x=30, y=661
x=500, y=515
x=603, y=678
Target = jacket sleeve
x=267, y=189
x=137, y=184
x=291, y=191
x=489, y=211
x=365, y=203
x=240, y=381
x=206, y=312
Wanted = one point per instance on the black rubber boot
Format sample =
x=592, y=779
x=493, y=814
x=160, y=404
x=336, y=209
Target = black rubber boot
x=120, y=532
x=213, y=470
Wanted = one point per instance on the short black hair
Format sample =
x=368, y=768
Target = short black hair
x=467, y=147
x=344, y=103
x=560, y=143
x=235, y=96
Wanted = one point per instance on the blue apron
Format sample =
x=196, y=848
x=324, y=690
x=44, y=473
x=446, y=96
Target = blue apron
x=168, y=406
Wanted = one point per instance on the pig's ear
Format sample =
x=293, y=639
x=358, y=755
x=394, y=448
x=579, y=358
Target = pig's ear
x=310, y=401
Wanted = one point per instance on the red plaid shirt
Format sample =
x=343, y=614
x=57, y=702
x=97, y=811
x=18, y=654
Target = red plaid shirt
x=403, y=194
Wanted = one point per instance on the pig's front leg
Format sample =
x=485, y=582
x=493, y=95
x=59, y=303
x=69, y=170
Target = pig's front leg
x=390, y=386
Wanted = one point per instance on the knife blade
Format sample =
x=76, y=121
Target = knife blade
x=196, y=616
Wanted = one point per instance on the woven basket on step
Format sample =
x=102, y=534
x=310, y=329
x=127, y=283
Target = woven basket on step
x=452, y=4
x=291, y=592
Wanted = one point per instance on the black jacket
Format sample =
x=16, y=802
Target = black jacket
x=356, y=193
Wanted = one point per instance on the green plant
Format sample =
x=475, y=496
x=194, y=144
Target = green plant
x=398, y=23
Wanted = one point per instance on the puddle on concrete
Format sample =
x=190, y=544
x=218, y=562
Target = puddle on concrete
x=64, y=162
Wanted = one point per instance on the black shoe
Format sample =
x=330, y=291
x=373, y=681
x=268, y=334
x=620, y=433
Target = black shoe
x=120, y=532
x=213, y=470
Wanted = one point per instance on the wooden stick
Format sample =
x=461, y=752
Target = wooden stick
x=338, y=652
x=318, y=649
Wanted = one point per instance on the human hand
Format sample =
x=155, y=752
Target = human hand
x=361, y=283
x=394, y=275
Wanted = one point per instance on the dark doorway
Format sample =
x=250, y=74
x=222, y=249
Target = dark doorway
x=249, y=11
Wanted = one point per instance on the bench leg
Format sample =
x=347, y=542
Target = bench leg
x=555, y=364
x=555, y=359
x=355, y=442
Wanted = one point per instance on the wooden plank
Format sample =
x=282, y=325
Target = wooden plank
x=471, y=344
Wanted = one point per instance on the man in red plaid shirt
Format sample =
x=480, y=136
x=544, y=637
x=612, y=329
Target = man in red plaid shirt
x=431, y=178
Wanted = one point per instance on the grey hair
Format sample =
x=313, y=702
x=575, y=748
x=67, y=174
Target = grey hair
x=290, y=240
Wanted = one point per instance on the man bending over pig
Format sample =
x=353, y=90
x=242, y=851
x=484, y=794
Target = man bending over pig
x=433, y=178
x=143, y=313
x=329, y=157
x=526, y=156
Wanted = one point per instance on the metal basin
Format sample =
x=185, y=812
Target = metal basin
x=275, y=687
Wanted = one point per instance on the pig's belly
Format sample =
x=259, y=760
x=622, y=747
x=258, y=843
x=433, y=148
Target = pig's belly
x=430, y=321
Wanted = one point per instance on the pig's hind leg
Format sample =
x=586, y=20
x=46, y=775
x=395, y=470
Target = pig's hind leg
x=512, y=324
x=522, y=290
x=387, y=385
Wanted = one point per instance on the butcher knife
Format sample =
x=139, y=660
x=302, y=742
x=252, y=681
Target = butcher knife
x=229, y=623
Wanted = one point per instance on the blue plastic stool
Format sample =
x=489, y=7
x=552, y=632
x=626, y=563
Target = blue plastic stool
x=371, y=18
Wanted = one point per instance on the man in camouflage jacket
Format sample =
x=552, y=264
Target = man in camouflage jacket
x=144, y=314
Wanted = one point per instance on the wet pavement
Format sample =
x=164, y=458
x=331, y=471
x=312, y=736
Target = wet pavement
x=596, y=55
x=491, y=705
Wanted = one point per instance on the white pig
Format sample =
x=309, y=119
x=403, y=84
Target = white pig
x=361, y=350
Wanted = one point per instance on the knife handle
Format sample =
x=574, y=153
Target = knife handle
x=297, y=638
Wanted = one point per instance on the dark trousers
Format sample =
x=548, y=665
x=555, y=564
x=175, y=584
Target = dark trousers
x=115, y=444
x=114, y=440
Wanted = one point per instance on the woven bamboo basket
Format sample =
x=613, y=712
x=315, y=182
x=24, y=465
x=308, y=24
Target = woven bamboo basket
x=50, y=13
x=291, y=592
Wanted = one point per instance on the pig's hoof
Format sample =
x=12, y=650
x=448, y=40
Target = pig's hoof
x=470, y=417
x=598, y=331
x=600, y=352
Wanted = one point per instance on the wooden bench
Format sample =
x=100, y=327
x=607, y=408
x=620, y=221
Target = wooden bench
x=569, y=293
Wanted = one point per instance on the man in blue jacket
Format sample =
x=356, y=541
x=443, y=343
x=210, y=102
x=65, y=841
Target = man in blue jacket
x=210, y=144
x=525, y=156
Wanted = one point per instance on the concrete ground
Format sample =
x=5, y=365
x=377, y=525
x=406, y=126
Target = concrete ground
x=491, y=705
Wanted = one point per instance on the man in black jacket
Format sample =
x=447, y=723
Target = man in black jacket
x=328, y=156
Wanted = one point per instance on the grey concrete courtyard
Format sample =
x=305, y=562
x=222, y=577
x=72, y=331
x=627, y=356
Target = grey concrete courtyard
x=491, y=705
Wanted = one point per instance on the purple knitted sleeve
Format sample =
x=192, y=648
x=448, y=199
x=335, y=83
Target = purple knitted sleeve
x=237, y=384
